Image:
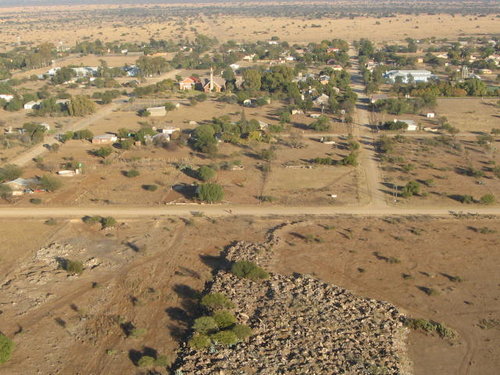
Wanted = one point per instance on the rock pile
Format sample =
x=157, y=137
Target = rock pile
x=301, y=326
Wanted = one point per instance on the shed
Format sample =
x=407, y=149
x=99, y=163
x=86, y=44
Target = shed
x=104, y=139
x=157, y=111
x=430, y=115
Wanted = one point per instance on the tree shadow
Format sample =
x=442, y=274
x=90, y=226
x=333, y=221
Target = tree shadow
x=187, y=190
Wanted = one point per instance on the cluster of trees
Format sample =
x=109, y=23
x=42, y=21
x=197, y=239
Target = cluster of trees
x=107, y=96
x=150, y=66
x=468, y=87
x=162, y=86
x=218, y=325
x=397, y=106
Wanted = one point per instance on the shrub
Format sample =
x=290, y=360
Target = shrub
x=108, y=222
x=248, y=270
x=50, y=183
x=51, y=221
x=429, y=326
x=206, y=173
x=321, y=124
x=242, y=331
x=199, y=342
x=210, y=192
x=466, y=199
x=267, y=154
x=91, y=219
x=146, y=361
x=163, y=361
x=10, y=172
x=205, y=324
x=410, y=189
x=216, y=301
x=5, y=191
x=138, y=332
x=103, y=152
x=131, y=173
x=6, y=348
x=73, y=267
x=35, y=200
x=226, y=338
x=224, y=319
x=150, y=187
x=487, y=199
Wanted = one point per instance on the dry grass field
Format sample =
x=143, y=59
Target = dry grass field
x=61, y=323
x=442, y=170
x=85, y=25
x=470, y=115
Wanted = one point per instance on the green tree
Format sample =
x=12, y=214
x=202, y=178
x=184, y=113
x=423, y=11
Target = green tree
x=225, y=338
x=216, y=301
x=205, y=325
x=248, y=270
x=224, y=319
x=252, y=79
x=410, y=189
x=169, y=106
x=50, y=183
x=103, y=152
x=199, y=341
x=5, y=191
x=487, y=199
x=10, y=172
x=81, y=105
x=242, y=331
x=210, y=193
x=205, y=173
x=321, y=124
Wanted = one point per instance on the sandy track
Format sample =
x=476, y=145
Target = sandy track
x=131, y=212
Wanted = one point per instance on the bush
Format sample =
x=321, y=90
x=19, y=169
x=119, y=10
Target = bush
x=205, y=324
x=466, y=199
x=242, y=331
x=206, y=173
x=103, y=152
x=410, y=189
x=248, y=270
x=216, y=301
x=35, y=200
x=10, y=172
x=131, y=173
x=138, y=332
x=50, y=183
x=429, y=326
x=108, y=222
x=226, y=338
x=487, y=199
x=224, y=319
x=321, y=124
x=5, y=191
x=73, y=267
x=199, y=342
x=210, y=193
x=6, y=348
x=146, y=361
x=150, y=187
x=267, y=154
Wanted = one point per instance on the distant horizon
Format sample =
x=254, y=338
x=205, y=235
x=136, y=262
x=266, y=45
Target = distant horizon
x=22, y=3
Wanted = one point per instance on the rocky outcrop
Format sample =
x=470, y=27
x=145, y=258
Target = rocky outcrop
x=301, y=326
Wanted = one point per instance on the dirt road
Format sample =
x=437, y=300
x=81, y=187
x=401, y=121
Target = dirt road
x=361, y=131
x=131, y=212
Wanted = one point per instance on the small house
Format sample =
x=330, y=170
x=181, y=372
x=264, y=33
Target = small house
x=21, y=186
x=321, y=100
x=376, y=97
x=263, y=125
x=169, y=130
x=6, y=97
x=297, y=112
x=234, y=66
x=104, y=139
x=189, y=83
x=430, y=115
x=156, y=111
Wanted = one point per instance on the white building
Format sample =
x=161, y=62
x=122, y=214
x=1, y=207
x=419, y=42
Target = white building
x=6, y=97
x=32, y=104
x=406, y=75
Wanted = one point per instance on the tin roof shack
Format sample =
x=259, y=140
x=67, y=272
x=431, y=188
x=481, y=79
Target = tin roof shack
x=104, y=139
x=156, y=111
x=21, y=186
